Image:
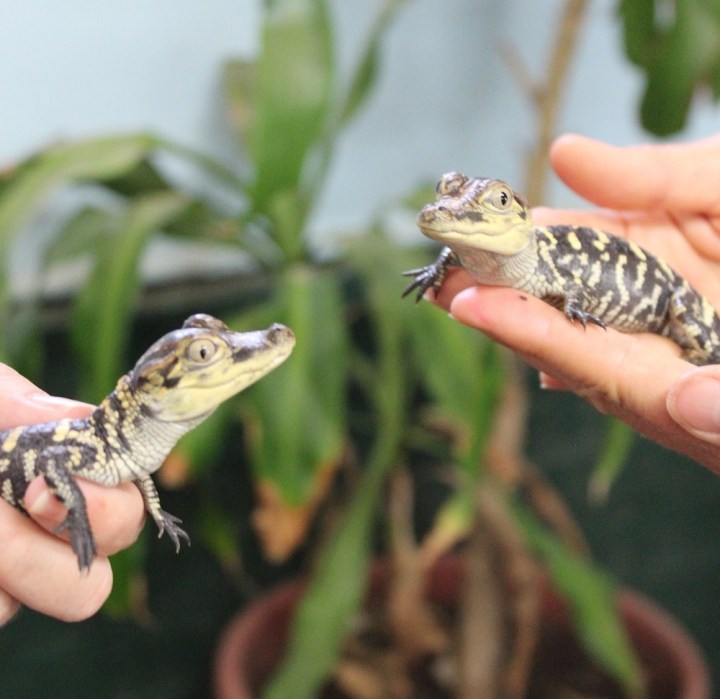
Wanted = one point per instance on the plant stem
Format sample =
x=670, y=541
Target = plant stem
x=548, y=97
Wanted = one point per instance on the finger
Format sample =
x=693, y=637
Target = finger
x=24, y=403
x=673, y=177
x=601, y=219
x=618, y=373
x=9, y=607
x=41, y=571
x=694, y=403
x=456, y=280
x=116, y=514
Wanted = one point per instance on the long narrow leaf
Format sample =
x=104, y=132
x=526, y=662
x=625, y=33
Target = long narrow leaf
x=365, y=74
x=102, y=314
x=300, y=409
x=463, y=372
x=83, y=234
x=591, y=595
x=25, y=191
x=295, y=417
x=93, y=159
x=619, y=439
x=295, y=82
x=328, y=608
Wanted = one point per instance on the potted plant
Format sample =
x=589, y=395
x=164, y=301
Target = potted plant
x=370, y=386
x=252, y=648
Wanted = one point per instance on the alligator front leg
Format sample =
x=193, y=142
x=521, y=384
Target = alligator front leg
x=62, y=484
x=164, y=520
x=431, y=275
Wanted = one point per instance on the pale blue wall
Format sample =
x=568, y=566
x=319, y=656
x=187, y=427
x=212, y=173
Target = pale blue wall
x=445, y=99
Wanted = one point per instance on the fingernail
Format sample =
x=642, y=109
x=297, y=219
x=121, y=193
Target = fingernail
x=71, y=408
x=42, y=506
x=695, y=404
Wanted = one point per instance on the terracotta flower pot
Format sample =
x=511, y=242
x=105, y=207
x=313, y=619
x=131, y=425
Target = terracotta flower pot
x=253, y=643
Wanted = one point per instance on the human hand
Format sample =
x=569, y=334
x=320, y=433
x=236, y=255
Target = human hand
x=37, y=568
x=665, y=198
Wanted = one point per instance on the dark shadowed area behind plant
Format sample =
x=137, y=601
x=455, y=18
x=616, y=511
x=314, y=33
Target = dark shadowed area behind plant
x=368, y=389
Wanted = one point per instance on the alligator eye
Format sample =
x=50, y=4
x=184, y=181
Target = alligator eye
x=201, y=350
x=450, y=183
x=501, y=198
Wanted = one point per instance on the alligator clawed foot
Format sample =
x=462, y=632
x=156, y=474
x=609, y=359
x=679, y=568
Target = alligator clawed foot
x=169, y=523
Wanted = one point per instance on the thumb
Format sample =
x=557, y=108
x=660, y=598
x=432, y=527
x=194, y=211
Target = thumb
x=694, y=403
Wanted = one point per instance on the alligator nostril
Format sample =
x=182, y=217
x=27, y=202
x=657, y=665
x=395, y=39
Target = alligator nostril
x=278, y=332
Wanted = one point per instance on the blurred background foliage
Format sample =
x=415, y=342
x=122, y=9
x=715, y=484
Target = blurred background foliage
x=677, y=47
x=374, y=383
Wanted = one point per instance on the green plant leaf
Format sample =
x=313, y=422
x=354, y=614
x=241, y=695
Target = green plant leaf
x=29, y=185
x=366, y=70
x=100, y=158
x=591, y=595
x=200, y=221
x=619, y=440
x=448, y=356
x=103, y=309
x=84, y=233
x=678, y=57
x=463, y=372
x=222, y=175
x=639, y=31
x=324, y=616
x=691, y=49
x=300, y=408
x=294, y=90
x=295, y=418
x=327, y=610
x=144, y=178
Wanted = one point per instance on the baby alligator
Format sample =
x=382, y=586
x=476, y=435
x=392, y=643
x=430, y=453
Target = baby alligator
x=594, y=277
x=173, y=387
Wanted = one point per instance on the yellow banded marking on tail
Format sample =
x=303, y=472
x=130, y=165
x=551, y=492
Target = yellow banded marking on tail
x=620, y=263
x=62, y=430
x=665, y=268
x=29, y=462
x=637, y=251
x=601, y=240
x=708, y=312
x=574, y=241
x=596, y=270
x=11, y=439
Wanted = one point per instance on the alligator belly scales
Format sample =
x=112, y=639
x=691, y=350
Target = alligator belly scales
x=173, y=387
x=594, y=277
